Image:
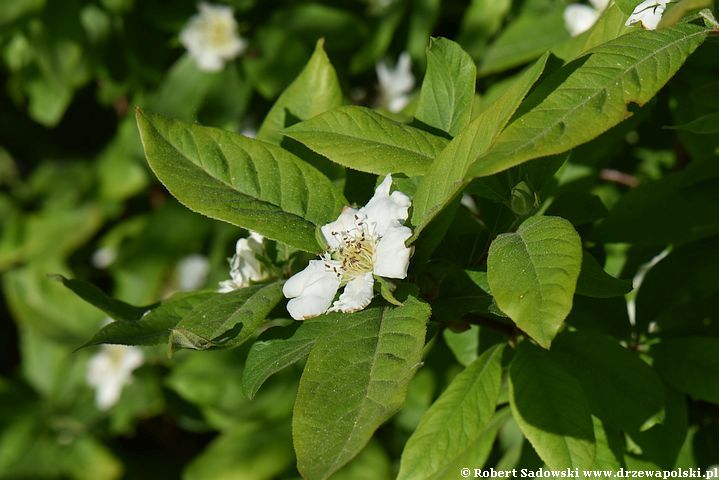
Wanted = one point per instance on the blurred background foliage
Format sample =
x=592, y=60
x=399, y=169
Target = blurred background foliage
x=77, y=198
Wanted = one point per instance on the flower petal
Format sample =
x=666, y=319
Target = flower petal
x=649, y=13
x=346, y=222
x=356, y=295
x=391, y=255
x=312, y=290
x=579, y=18
x=384, y=210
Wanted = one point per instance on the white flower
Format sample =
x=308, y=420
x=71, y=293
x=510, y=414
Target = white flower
x=109, y=370
x=211, y=37
x=396, y=83
x=649, y=13
x=244, y=265
x=103, y=257
x=579, y=18
x=192, y=272
x=361, y=243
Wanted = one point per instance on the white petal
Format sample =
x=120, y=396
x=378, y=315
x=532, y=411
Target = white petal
x=227, y=286
x=107, y=394
x=312, y=290
x=192, y=272
x=649, y=13
x=133, y=358
x=356, y=295
x=383, y=210
x=579, y=18
x=391, y=255
x=346, y=222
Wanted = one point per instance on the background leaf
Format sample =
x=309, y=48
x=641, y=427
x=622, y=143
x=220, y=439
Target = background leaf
x=690, y=364
x=533, y=274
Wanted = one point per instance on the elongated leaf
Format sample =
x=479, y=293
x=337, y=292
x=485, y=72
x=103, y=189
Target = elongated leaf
x=297, y=104
x=115, y=309
x=364, y=140
x=706, y=124
x=595, y=282
x=533, y=274
x=354, y=380
x=609, y=26
x=445, y=100
x=243, y=181
x=153, y=328
x=593, y=95
x=622, y=390
x=447, y=175
x=690, y=364
x=550, y=409
x=228, y=320
x=451, y=431
x=269, y=357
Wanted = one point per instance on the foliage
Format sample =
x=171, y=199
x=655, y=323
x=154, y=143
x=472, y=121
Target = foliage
x=560, y=305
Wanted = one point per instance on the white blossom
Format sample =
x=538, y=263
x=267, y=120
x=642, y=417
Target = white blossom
x=103, y=257
x=211, y=37
x=649, y=13
x=361, y=243
x=109, y=370
x=244, y=265
x=579, y=18
x=192, y=272
x=396, y=83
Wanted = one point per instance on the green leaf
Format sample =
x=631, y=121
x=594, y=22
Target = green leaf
x=228, y=320
x=354, y=380
x=550, y=409
x=593, y=95
x=464, y=345
x=595, y=282
x=364, y=140
x=526, y=38
x=445, y=100
x=677, y=10
x=533, y=274
x=115, y=309
x=295, y=104
x=447, y=175
x=690, y=364
x=153, y=328
x=703, y=125
x=622, y=390
x=452, y=433
x=249, y=451
x=610, y=25
x=269, y=357
x=481, y=20
x=243, y=181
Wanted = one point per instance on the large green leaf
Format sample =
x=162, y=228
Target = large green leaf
x=622, y=390
x=593, y=95
x=533, y=273
x=690, y=364
x=362, y=139
x=269, y=357
x=229, y=319
x=447, y=175
x=243, y=181
x=445, y=100
x=354, y=380
x=295, y=104
x=550, y=409
x=706, y=124
x=452, y=432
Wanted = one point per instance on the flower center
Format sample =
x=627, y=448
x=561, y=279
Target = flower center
x=355, y=252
